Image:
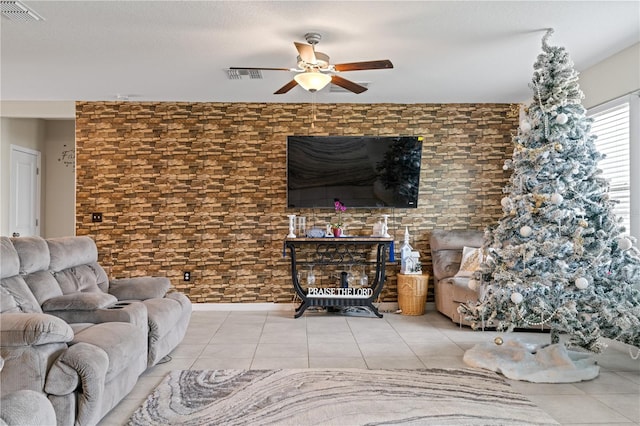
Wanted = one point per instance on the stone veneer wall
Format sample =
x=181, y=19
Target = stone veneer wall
x=201, y=187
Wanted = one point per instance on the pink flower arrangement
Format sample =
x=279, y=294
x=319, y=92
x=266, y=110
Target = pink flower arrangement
x=339, y=208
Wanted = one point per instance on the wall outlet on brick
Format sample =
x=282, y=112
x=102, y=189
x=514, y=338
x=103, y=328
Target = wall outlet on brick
x=96, y=217
x=186, y=276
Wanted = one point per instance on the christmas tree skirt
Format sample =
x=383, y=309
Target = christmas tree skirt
x=520, y=361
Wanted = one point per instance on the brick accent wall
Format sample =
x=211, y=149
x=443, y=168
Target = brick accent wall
x=201, y=187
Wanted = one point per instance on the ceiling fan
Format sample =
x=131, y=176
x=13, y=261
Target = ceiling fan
x=315, y=71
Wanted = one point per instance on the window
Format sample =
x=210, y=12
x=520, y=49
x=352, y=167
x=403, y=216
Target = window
x=611, y=125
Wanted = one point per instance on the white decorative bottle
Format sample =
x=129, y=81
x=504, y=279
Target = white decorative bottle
x=385, y=226
x=292, y=226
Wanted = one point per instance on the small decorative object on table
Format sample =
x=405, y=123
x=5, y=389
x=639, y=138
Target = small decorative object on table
x=336, y=227
x=409, y=258
x=315, y=233
x=385, y=226
x=302, y=225
x=377, y=229
x=292, y=226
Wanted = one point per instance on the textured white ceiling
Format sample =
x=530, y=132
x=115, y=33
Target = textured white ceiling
x=457, y=51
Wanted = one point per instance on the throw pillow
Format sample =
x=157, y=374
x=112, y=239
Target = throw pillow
x=471, y=258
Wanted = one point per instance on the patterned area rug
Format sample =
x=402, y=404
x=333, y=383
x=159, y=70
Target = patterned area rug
x=337, y=397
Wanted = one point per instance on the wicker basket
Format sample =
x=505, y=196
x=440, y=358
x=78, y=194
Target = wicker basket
x=412, y=293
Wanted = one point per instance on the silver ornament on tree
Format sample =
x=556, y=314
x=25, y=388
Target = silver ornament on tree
x=556, y=198
x=562, y=118
x=526, y=231
x=624, y=243
x=525, y=126
x=581, y=283
x=506, y=203
x=516, y=298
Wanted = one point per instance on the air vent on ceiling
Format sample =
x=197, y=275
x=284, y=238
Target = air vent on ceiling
x=237, y=74
x=17, y=11
x=337, y=89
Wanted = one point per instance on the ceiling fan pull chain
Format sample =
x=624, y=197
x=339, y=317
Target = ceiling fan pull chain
x=313, y=110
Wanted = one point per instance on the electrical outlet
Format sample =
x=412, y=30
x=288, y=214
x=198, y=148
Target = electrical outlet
x=96, y=217
x=186, y=276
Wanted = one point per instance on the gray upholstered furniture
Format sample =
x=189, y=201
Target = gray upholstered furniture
x=25, y=407
x=74, y=264
x=446, y=254
x=69, y=333
x=84, y=369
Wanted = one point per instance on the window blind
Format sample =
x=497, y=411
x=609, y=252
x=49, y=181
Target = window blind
x=612, y=128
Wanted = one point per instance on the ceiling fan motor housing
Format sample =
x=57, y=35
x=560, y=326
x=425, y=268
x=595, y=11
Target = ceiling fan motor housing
x=322, y=62
x=313, y=38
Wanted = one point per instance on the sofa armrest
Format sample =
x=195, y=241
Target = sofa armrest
x=26, y=407
x=81, y=367
x=80, y=301
x=26, y=329
x=139, y=288
x=131, y=312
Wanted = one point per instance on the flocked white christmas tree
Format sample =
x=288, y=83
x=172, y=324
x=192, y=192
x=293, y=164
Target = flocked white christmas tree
x=559, y=257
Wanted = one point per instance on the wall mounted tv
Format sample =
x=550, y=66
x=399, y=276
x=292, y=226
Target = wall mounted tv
x=360, y=171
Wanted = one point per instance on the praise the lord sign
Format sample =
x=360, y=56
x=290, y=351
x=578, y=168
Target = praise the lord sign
x=348, y=292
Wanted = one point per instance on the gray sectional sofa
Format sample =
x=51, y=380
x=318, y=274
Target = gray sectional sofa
x=70, y=333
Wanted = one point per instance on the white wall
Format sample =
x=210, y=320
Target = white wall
x=616, y=76
x=59, y=184
x=49, y=137
x=39, y=109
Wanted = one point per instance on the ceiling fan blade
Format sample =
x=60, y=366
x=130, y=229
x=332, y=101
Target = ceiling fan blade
x=368, y=65
x=346, y=84
x=263, y=69
x=284, y=89
x=307, y=54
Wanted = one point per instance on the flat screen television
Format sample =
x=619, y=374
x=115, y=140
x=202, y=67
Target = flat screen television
x=360, y=171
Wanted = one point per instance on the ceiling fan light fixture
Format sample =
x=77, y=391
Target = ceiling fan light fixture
x=312, y=81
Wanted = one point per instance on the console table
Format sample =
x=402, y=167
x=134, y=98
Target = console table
x=345, y=251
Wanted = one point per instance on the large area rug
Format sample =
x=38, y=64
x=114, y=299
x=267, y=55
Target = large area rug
x=337, y=397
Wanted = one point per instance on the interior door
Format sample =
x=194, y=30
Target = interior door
x=24, y=207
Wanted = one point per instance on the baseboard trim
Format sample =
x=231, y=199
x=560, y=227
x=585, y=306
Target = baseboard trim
x=243, y=307
x=275, y=307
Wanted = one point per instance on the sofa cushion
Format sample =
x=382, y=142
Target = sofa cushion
x=43, y=285
x=124, y=344
x=67, y=252
x=33, y=329
x=15, y=296
x=139, y=288
x=26, y=407
x=446, y=249
x=471, y=259
x=34, y=267
x=86, y=278
x=79, y=302
x=9, y=260
x=33, y=253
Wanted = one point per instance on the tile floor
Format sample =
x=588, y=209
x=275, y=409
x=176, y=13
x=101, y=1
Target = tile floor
x=273, y=339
